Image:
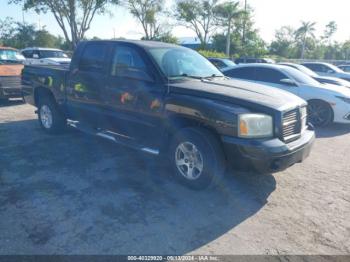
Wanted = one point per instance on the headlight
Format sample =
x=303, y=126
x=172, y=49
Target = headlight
x=255, y=126
x=345, y=99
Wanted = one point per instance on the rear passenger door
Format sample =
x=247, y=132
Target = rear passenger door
x=85, y=85
x=132, y=95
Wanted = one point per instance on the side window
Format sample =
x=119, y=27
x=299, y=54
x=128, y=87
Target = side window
x=314, y=67
x=242, y=73
x=93, y=58
x=36, y=54
x=269, y=75
x=27, y=54
x=326, y=69
x=126, y=58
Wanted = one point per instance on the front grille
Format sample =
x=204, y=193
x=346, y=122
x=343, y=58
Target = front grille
x=10, y=81
x=292, y=124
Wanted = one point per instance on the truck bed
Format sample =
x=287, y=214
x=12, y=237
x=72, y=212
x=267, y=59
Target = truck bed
x=52, y=77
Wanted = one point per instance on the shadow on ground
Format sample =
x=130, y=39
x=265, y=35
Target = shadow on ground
x=77, y=194
x=333, y=130
x=12, y=102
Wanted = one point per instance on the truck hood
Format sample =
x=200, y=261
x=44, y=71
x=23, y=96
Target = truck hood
x=232, y=89
x=11, y=70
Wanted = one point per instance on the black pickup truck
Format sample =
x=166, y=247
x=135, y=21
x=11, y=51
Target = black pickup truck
x=169, y=100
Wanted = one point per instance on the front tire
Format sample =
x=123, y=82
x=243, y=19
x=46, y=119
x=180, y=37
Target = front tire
x=50, y=118
x=196, y=157
x=320, y=113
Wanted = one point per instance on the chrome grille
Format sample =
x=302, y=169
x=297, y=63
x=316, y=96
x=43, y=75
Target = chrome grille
x=292, y=124
x=10, y=81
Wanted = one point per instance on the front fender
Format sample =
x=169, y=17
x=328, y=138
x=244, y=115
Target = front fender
x=216, y=115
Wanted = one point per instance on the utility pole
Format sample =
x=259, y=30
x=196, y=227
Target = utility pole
x=244, y=23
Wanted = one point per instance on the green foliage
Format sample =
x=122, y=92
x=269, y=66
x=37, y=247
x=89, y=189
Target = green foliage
x=251, y=45
x=74, y=17
x=209, y=53
x=225, y=14
x=146, y=12
x=198, y=15
x=21, y=35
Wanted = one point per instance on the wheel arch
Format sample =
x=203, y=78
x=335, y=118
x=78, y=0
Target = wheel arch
x=323, y=101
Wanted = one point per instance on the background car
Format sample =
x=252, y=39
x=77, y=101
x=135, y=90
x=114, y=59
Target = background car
x=326, y=69
x=11, y=65
x=345, y=68
x=222, y=63
x=321, y=79
x=326, y=103
x=45, y=56
x=247, y=60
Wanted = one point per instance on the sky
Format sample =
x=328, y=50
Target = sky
x=269, y=15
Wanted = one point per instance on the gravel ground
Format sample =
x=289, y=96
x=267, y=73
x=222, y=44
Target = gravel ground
x=77, y=194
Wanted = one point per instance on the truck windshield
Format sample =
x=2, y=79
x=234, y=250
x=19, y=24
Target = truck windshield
x=183, y=63
x=10, y=56
x=52, y=54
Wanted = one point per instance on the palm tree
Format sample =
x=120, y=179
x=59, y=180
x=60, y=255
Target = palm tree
x=225, y=14
x=306, y=30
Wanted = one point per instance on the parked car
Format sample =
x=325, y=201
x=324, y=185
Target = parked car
x=169, y=100
x=325, y=69
x=326, y=103
x=247, y=60
x=345, y=68
x=11, y=65
x=45, y=56
x=222, y=63
x=321, y=79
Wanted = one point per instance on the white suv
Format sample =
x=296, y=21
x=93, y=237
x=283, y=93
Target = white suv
x=45, y=56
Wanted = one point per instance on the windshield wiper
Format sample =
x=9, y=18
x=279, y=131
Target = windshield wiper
x=212, y=76
x=187, y=76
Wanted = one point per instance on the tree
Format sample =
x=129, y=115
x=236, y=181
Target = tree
x=331, y=29
x=146, y=11
x=253, y=46
x=284, y=42
x=197, y=15
x=306, y=30
x=74, y=17
x=225, y=14
x=21, y=35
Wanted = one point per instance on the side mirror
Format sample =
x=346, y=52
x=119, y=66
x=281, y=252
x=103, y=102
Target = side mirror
x=288, y=82
x=330, y=71
x=134, y=73
x=35, y=56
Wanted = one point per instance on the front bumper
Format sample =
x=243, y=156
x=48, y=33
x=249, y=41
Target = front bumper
x=267, y=156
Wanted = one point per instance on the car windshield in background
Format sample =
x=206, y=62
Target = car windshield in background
x=334, y=68
x=228, y=62
x=52, y=54
x=306, y=70
x=10, y=56
x=181, y=63
x=300, y=77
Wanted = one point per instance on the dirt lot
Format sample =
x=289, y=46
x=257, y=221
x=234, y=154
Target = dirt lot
x=77, y=194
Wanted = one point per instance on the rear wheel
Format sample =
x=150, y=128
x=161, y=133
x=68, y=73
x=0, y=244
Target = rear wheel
x=50, y=117
x=197, y=158
x=320, y=113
